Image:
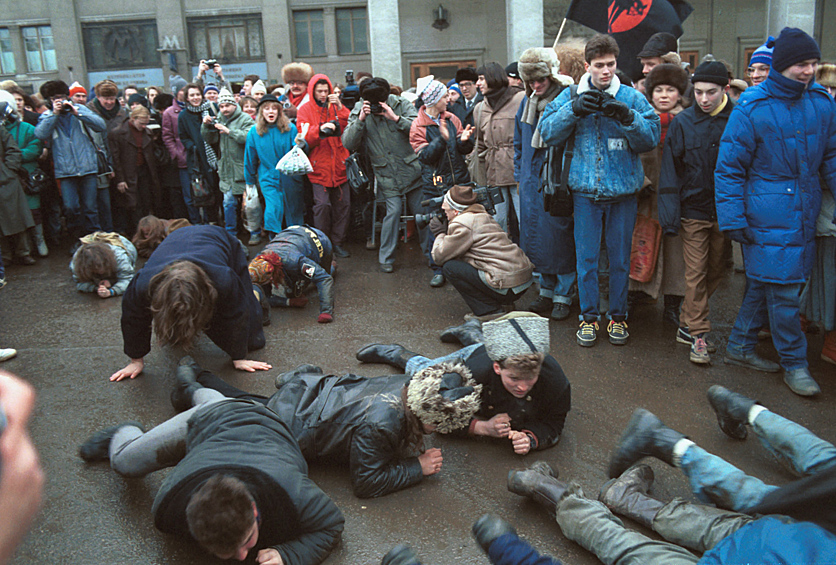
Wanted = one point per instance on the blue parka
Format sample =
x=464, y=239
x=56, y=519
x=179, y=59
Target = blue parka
x=72, y=151
x=779, y=138
x=548, y=241
x=606, y=164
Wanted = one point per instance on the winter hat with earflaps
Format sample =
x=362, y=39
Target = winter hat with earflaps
x=444, y=396
x=538, y=63
x=516, y=333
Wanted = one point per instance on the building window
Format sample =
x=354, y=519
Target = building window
x=351, y=31
x=310, y=33
x=442, y=71
x=7, y=57
x=120, y=45
x=40, y=50
x=227, y=39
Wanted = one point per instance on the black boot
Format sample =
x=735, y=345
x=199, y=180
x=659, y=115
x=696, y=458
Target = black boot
x=305, y=369
x=672, y=305
x=393, y=354
x=538, y=482
x=644, y=436
x=627, y=495
x=400, y=555
x=186, y=385
x=468, y=333
x=732, y=411
x=97, y=446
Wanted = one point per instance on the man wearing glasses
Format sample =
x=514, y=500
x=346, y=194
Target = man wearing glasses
x=760, y=62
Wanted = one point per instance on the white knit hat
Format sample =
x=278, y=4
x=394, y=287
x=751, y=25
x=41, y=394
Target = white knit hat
x=226, y=97
x=430, y=90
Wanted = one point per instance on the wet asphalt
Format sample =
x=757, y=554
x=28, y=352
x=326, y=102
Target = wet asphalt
x=69, y=343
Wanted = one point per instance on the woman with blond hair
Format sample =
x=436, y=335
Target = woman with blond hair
x=271, y=138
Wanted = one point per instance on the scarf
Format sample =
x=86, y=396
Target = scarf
x=203, y=110
x=533, y=110
x=499, y=97
x=106, y=114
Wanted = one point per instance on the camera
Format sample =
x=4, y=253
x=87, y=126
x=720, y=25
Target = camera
x=487, y=196
x=351, y=93
x=211, y=63
x=332, y=132
x=349, y=77
x=66, y=107
x=423, y=220
x=375, y=108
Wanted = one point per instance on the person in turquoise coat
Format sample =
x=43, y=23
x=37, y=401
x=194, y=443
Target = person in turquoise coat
x=270, y=140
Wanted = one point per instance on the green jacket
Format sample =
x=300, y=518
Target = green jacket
x=396, y=166
x=231, y=161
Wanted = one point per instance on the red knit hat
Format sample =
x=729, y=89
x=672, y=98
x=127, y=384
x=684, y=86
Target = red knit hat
x=76, y=87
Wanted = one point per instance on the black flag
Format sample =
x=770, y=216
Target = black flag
x=630, y=22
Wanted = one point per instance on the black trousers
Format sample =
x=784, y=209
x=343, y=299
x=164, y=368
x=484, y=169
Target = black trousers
x=481, y=298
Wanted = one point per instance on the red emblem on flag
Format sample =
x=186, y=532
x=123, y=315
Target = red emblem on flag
x=624, y=15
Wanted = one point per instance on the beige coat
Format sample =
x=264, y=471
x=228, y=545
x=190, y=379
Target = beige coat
x=475, y=238
x=495, y=143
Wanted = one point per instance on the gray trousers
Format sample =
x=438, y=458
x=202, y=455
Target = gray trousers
x=591, y=524
x=389, y=225
x=134, y=453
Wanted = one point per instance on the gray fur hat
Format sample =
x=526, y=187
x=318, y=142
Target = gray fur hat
x=517, y=333
x=444, y=395
x=539, y=63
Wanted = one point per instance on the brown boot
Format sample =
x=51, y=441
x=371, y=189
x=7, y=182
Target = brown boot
x=539, y=483
x=627, y=495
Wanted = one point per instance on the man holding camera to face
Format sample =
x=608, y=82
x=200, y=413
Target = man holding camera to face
x=380, y=122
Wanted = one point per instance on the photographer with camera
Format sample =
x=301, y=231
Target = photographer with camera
x=73, y=154
x=476, y=255
x=380, y=126
x=207, y=65
x=441, y=144
x=327, y=118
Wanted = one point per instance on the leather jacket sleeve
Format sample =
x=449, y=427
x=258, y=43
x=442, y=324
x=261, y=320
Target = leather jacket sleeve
x=377, y=467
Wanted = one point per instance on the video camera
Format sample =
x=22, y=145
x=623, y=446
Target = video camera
x=351, y=93
x=487, y=196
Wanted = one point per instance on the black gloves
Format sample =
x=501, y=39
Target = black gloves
x=488, y=528
x=742, y=235
x=438, y=226
x=587, y=103
x=400, y=555
x=618, y=111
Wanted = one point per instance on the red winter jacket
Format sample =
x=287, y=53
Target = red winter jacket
x=327, y=154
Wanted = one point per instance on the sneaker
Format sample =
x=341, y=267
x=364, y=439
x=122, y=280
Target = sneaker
x=617, y=332
x=587, y=333
x=699, y=352
x=6, y=354
x=255, y=239
x=683, y=336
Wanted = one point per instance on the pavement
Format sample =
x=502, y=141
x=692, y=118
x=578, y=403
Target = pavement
x=70, y=343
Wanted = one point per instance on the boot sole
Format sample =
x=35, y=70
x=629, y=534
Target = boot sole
x=586, y=342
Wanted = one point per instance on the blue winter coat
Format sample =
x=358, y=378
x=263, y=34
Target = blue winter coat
x=261, y=154
x=779, y=138
x=509, y=549
x=606, y=164
x=72, y=151
x=548, y=241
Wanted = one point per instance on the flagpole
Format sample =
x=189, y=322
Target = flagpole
x=559, y=33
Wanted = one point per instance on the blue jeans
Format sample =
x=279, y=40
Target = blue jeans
x=2, y=268
x=714, y=480
x=418, y=362
x=557, y=287
x=185, y=184
x=618, y=219
x=80, y=204
x=232, y=205
x=777, y=304
x=105, y=213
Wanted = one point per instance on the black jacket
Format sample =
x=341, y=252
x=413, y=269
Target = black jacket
x=809, y=499
x=236, y=323
x=352, y=419
x=249, y=442
x=460, y=110
x=440, y=158
x=542, y=412
x=686, y=181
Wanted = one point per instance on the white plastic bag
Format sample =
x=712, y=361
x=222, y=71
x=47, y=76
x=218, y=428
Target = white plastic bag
x=252, y=209
x=295, y=162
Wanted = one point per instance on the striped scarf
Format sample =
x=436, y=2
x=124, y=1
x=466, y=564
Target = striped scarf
x=203, y=110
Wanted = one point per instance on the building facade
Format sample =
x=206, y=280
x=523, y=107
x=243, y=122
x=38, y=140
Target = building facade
x=88, y=40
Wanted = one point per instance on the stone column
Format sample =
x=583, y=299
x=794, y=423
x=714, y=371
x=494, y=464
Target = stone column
x=66, y=34
x=385, y=40
x=792, y=13
x=173, y=38
x=278, y=29
x=525, y=26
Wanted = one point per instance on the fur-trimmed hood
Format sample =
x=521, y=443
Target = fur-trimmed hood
x=444, y=396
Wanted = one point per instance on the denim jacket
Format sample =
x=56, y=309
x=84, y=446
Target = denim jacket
x=73, y=154
x=606, y=164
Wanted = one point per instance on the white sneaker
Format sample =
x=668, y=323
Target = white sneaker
x=6, y=354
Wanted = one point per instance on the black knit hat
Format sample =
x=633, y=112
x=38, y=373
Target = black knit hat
x=512, y=70
x=666, y=73
x=54, y=88
x=793, y=46
x=711, y=71
x=658, y=44
x=466, y=74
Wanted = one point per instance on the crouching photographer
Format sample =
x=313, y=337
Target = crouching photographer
x=476, y=255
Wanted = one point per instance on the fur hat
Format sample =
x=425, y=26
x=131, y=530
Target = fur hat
x=259, y=86
x=53, y=88
x=459, y=197
x=826, y=75
x=665, y=73
x=76, y=87
x=296, y=71
x=226, y=97
x=538, y=63
x=444, y=396
x=517, y=333
x=468, y=73
x=375, y=89
x=658, y=44
x=106, y=88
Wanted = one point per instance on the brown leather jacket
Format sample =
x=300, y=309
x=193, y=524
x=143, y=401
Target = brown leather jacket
x=475, y=238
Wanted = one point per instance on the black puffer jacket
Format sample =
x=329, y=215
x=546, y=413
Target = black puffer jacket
x=249, y=442
x=440, y=158
x=354, y=419
x=686, y=181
